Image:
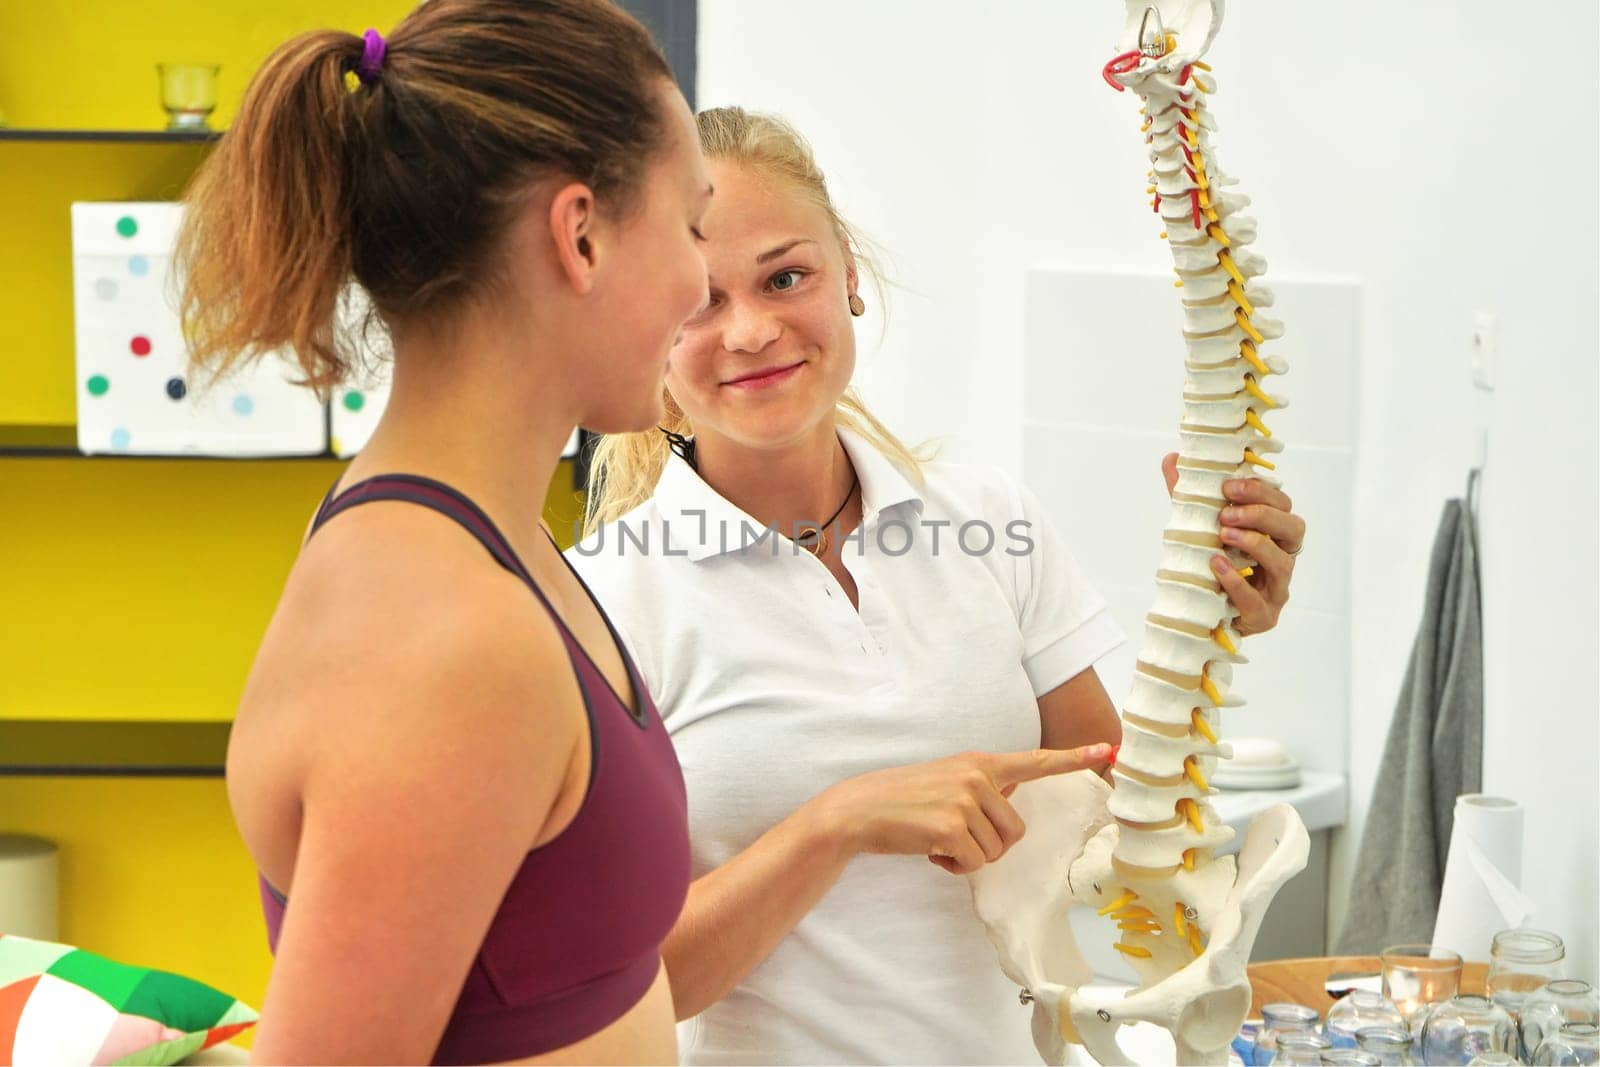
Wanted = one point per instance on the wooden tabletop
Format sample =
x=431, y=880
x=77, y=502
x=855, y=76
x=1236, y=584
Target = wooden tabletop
x=1304, y=981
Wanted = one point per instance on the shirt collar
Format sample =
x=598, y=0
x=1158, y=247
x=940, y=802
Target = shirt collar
x=702, y=523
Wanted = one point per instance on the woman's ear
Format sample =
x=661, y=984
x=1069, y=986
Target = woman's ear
x=572, y=229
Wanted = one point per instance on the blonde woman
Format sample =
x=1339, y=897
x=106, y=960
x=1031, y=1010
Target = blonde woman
x=857, y=653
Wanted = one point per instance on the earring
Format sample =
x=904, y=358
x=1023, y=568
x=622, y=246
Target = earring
x=857, y=307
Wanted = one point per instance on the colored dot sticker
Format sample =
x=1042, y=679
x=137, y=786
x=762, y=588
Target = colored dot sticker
x=138, y=266
x=354, y=401
x=127, y=226
x=243, y=405
x=176, y=388
x=121, y=438
x=98, y=385
x=140, y=346
x=105, y=289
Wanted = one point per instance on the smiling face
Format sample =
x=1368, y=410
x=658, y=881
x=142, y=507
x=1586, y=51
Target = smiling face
x=764, y=362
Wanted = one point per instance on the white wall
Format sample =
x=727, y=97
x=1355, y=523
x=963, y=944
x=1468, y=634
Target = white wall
x=1442, y=157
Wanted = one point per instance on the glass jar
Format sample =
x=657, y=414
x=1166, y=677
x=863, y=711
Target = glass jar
x=1279, y=1019
x=1416, y=977
x=1391, y=1044
x=1456, y=1032
x=1301, y=1048
x=1493, y=1059
x=1566, y=1000
x=1357, y=1011
x=1520, y=963
x=1574, y=1044
x=1349, y=1057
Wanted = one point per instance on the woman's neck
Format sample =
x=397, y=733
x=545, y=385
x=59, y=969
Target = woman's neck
x=472, y=417
x=803, y=481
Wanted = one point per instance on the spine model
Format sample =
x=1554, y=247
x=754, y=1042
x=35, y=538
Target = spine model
x=1163, y=854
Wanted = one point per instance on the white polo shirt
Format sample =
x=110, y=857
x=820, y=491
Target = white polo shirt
x=773, y=688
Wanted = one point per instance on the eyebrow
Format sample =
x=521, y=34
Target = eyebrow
x=781, y=249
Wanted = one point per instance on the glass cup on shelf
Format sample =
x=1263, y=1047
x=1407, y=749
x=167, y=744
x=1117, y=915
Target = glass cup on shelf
x=1416, y=977
x=1575, y=1044
x=1279, y=1019
x=1358, y=1010
x=1301, y=1048
x=1466, y=1027
x=1565, y=1000
x=188, y=93
x=1349, y=1057
x=1391, y=1044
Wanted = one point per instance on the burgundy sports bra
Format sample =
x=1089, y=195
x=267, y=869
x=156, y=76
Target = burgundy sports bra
x=576, y=941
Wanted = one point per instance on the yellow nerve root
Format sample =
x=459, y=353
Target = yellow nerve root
x=1248, y=351
x=1256, y=461
x=1133, y=950
x=1134, y=913
x=1191, y=811
x=1211, y=690
x=1203, y=728
x=1220, y=636
x=1226, y=261
x=1237, y=292
x=1188, y=859
x=1193, y=772
x=1194, y=941
x=1245, y=572
x=1255, y=421
x=1244, y=322
x=1121, y=902
x=1178, y=923
x=1256, y=391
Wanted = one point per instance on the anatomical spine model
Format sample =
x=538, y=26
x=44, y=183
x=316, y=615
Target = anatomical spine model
x=1143, y=852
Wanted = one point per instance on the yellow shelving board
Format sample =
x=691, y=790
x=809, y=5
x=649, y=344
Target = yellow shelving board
x=138, y=589
x=91, y=64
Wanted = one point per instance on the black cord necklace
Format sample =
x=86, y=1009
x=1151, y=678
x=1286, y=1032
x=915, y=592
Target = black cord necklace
x=813, y=539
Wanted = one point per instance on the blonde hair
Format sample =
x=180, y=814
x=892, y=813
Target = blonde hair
x=625, y=467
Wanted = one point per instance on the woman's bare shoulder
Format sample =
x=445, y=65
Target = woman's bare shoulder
x=396, y=626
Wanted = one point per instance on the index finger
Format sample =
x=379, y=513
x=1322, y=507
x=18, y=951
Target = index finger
x=1009, y=768
x=1256, y=491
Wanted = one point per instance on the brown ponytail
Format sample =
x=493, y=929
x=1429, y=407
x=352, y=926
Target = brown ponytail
x=403, y=180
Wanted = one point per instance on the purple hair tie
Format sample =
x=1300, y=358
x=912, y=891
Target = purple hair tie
x=371, y=56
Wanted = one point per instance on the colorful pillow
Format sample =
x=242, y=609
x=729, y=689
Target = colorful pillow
x=60, y=1005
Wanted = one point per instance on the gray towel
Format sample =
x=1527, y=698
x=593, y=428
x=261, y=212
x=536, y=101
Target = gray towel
x=1434, y=753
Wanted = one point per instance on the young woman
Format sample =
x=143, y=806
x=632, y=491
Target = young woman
x=851, y=703
x=453, y=782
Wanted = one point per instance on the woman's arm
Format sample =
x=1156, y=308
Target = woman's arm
x=434, y=772
x=1078, y=712
x=954, y=811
